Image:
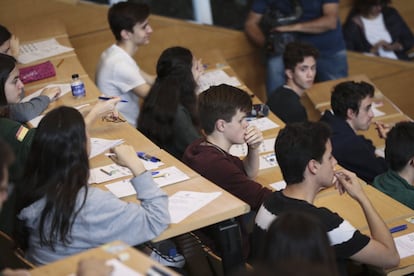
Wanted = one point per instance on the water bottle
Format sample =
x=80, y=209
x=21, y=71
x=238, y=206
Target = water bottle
x=77, y=86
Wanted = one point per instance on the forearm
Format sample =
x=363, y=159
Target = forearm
x=255, y=34
x=149, y=79
x=379, y=230
x=23, y=112
x=317, y=26
x=252, y=163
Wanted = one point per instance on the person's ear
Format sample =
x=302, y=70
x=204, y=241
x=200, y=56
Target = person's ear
x=220, y=125
x=289, y=74
x=125, y=34
x=350, y=114
x=313, y=166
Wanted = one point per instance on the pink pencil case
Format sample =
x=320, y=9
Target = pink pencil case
x=37, y=72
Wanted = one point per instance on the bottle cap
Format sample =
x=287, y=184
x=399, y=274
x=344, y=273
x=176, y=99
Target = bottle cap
x=75, y=76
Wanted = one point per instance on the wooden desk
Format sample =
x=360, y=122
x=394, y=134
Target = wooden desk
x=136, y=261
x=388, y=208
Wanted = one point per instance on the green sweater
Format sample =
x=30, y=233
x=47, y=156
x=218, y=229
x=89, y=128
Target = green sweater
x=396, y=187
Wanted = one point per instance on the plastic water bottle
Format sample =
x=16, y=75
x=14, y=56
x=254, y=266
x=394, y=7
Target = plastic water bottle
x=77, y=86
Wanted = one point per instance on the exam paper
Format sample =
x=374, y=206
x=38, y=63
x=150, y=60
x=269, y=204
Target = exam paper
x=280, y=185
x=215, y=77
x=30, y=52
x=121, y=188
x=267, y=161
x=120, y=269
x=263, y=123
x=241, y=149
x=169, y=176
x=107, y=173
x=64, y=88
x=405, y=245
x=376, y=111
x=36, y=120
x=184, y=203
x=99, y=145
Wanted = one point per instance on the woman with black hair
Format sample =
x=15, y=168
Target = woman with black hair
x=61, y=214
x=168, y=115
x=374, y=27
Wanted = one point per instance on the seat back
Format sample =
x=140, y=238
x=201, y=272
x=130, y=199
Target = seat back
x=11, y=256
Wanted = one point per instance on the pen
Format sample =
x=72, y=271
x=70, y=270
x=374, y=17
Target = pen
x=106, y=172
x=154, y=173
x=109, y=98
x=147, y=157
x=398, y=228
x=60, y=63
x=155, y=271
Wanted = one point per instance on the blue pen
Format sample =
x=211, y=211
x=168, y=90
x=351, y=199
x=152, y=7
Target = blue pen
x=109, y=98
x=147, y=157
x=154, y=173
x=398, y=228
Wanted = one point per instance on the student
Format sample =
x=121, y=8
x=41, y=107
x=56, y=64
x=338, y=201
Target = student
x=374, y=27
x=351, y=103
x=222, y=111
x=11, y=92
x=304, y=154
x=9, y=43
x=168, y=115
x=61, y=214
x=19, y=137
x=300, y=70
x=118, y=74
x=297, y=236
x=317, y=24
x=398, y=181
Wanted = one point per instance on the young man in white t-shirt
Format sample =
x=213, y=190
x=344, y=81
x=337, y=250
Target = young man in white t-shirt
x=118, y=74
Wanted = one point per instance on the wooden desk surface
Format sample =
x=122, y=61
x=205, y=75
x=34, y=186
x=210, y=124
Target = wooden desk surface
x=388, y=208
x=68, y=266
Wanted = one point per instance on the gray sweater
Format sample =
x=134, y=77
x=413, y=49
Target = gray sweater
x=103, y=218
x=23, y=112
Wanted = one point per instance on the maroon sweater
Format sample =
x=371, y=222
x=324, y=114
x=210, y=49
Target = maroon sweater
x=225, y=170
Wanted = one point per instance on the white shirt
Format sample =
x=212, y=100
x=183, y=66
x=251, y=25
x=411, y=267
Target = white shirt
x=375, y=31
x=116, y=75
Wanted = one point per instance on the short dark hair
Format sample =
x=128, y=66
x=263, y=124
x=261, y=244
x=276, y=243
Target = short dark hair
x=363, y=6
x=348, y=95
x=4, y=34
x=399, y=146
x=221, y=102
x=295, y=52
x=124, y=16
x=297, y=144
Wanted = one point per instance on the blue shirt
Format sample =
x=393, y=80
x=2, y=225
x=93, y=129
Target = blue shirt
x=328, y=42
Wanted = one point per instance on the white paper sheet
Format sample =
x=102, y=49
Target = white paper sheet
x=405, y=245
x=184, y=203
x=169, y=176
x=99, y=145
x=241, y=150
x=120, y=269
x=107, y=173
x=121, y=188
x=215, y=77
x=280, y=185
x=376, y=111
x=263, y=123
x=36, y=120
x=64, y=88
x=30, y=52
x=267, y=161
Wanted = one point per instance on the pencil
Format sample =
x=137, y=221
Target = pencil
x=60, y=63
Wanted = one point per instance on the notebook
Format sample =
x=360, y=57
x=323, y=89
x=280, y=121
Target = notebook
x=37, y=72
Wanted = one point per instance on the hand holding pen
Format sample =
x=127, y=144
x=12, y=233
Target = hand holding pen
x=126, y=156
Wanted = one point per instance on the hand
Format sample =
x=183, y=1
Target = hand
x=347, y=181
x=106, y=106
x=126, y=156
x=52, y=92
x=253, y=137
x=382, y=129
x=14, y=46
x=197, y=69
x=396, y=46
x=380, y=44
x=93, y=267
x=15, y=272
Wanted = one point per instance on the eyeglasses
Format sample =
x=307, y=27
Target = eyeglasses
x=111, y=118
